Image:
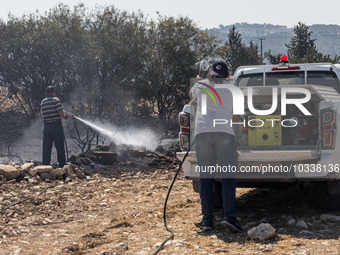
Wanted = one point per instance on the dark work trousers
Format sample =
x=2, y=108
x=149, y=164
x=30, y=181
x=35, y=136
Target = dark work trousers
x=211, y=149
x=53, y=132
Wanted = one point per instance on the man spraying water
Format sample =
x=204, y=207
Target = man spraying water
x=215, y=145
x=52, y=112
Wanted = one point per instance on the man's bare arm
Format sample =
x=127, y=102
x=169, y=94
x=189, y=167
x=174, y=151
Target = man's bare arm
x=62, y=114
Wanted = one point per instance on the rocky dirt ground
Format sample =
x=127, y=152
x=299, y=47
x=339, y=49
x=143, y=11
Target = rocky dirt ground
x=122, y=214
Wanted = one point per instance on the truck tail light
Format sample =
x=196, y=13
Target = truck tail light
x=184, y=141
x=285, y=67
x=184, y=119
x=184, y=135
x=328, y=128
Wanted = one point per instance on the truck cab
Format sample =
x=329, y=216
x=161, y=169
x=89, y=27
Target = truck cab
x=276, y=147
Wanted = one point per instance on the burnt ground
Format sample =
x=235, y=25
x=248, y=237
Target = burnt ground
x=123, y=214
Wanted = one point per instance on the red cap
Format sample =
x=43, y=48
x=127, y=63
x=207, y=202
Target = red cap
x=284, y=59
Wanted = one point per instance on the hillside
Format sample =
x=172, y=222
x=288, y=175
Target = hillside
x=327, y=36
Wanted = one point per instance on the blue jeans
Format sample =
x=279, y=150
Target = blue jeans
x=53, y=132
x=211, y=149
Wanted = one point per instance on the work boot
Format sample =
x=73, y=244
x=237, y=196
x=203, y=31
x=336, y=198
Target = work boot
x=232, y=224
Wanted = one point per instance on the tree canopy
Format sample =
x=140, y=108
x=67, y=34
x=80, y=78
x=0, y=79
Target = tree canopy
x=120, y=66
x=302, y=48
x=105, y=63
x=238, y=54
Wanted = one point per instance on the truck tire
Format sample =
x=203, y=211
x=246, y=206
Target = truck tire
x=335, y=200
x=218, y=202
x=334, y=190
x=196, y=185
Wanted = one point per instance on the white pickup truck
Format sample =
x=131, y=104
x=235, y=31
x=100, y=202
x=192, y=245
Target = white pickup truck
x=276, y=148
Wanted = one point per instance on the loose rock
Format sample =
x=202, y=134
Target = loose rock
x=59, y=172
x=9, y=172
x=291, y=222
x=40, y=169
x=27, y=166
x=43, y=169
x=50, y=176
x=69, y=170
x=262, y=232
x=301, y=224
x=330, y=217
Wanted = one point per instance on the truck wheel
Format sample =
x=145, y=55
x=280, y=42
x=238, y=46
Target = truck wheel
x=335, y=200
x=218, y=202
x=334, y=190
x=196, y=185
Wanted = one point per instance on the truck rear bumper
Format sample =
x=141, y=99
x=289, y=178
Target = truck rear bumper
x=262, y=165
x=262, y=155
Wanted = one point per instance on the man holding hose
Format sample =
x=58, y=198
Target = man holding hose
x=52, y=113
x=215, y=145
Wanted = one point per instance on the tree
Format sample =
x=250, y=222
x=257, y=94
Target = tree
x=252, y=56
x=169, y=65
x=40, y=51
x=118, y=43
x=106, y=64
x=301, y=48
x=319, y=57
x=208, y=47
x=236, y=50
x=238, y=53
x=273, y=59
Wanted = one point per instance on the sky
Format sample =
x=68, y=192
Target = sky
x=206, y=14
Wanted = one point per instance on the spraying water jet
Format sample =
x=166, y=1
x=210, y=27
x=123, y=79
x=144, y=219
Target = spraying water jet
x=132, y=136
